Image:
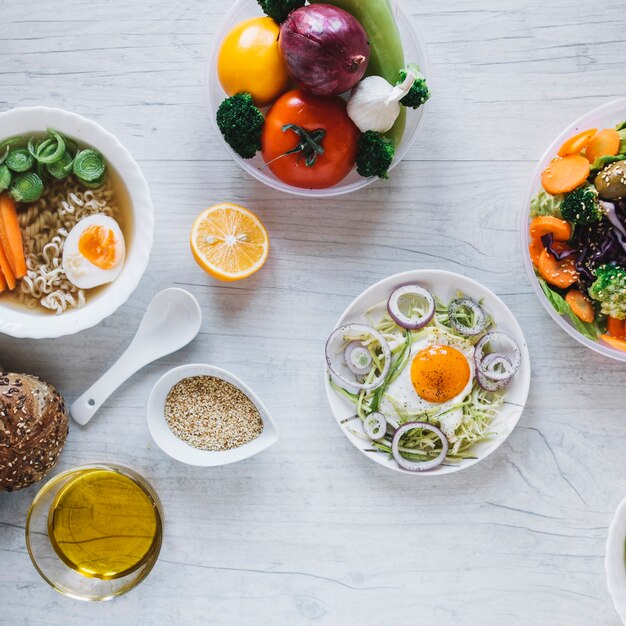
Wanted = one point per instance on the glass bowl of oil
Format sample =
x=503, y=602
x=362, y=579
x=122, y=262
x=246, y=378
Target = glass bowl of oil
x=94, y=532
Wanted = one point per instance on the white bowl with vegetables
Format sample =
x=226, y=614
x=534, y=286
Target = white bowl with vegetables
x=76, y=223
x=427, y=372
x=573, y=228
x=306, y=141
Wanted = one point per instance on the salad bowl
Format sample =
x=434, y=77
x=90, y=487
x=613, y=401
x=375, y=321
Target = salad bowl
x=415, y=52
x=605, y=116
x=445, y=286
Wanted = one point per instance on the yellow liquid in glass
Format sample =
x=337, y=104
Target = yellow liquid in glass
x=103, y=524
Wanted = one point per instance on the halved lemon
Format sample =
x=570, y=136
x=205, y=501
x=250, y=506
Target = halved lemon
x=229, y=242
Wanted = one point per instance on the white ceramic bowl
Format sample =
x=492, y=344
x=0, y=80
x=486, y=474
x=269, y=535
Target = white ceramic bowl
x=444, y=285
x=183, y=452
x=18, y=321
x=414, y=52
x=615, y=561
x=603, y=117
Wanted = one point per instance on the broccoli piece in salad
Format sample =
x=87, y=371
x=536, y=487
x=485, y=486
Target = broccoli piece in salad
x=609, y=289
x=419, y=92
x=241, y=123
x=374, y=155
x=278, y=10
x=582, y=206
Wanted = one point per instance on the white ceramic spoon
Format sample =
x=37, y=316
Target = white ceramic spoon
x=170, y=322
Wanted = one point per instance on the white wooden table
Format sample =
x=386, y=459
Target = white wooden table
x=311, y=532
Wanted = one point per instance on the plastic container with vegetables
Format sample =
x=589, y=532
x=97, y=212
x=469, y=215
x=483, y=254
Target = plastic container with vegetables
x=346, y=59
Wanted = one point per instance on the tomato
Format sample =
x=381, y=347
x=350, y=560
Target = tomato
x=316, y=115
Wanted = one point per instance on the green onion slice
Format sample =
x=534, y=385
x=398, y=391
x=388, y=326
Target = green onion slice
x=94, y=184
x=62, y=168
x=5, y=155
x=27, y=188
x=89, y=166
x=52, y=149
x=5, y=178
x=20, y=160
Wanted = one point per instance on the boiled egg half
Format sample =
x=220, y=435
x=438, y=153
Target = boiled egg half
x=94, y=252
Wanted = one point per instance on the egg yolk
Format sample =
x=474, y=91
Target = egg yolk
x=97, y=245
x=439, y=373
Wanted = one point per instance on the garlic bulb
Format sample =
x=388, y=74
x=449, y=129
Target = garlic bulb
x=375, y=104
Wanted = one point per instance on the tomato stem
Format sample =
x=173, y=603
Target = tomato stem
x=309, y=147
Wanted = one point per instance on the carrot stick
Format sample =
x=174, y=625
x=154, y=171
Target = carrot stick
x=581, y=305
x=605, y=142
x=577, y=143
x=3, y=283
x=565, y=174
x=11, y=236
x=616, y=327
x=620, y=344
x=6, y=269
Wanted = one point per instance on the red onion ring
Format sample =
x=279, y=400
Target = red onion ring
x=393, y=307
x=480, y=322
x=487, y=377
x=358, y=329
x=375, y=426
x=418, y=466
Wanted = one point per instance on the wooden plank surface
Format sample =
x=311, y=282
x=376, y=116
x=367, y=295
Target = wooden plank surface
x=310, y=532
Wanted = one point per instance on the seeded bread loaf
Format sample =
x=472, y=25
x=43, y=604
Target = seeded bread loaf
x=33, y=429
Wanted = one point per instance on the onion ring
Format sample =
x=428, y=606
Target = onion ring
x=488, y=377
x=410, y=323
x=375, y=426
x=480, y=321
x=418, y=466
x=359, y=329
x=358, y=358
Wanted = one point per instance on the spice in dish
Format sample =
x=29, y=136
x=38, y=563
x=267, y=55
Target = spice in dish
x=209, y=413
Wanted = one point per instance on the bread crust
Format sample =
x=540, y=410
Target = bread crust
x=33, y=429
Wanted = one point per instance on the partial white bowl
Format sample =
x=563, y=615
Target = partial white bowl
x=444, y=285
x=615, y=560
x=414, y=52
x=604, y=116
x=183, y=452
x=19, y=321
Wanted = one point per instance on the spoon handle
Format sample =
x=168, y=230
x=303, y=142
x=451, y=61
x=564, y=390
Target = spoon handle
x=86, y=406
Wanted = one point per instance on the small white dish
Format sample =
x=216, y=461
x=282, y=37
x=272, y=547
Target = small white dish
x=605, y=116
x=615, y=560
x=444, y=285
x=183, y=452
x=18, y=321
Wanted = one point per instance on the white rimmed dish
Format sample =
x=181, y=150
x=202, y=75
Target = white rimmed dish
x=604, y=116
x=615, y=560
x=444, y=285
x=19, y=321
x=414, y=52
x=183, y=452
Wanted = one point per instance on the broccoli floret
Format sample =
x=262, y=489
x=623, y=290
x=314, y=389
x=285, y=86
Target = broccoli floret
x=241, y=124
x=278, y=10
x=609, y=289
x=374, y=155
x=419, y=92
x=582, y=206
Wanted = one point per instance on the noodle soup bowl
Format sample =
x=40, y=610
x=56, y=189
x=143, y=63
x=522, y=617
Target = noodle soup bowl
x=136, y=217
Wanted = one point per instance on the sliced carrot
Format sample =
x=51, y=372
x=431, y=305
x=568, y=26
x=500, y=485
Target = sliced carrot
x=620, y=344
x=616, y=327
x=5, y=267
x=605, y=142
x=11, y=236
x=561, y=274
x=3, y=283
x=581, y=305
x=545, y=224
x=577, y=143
x=565, y=174
x=535, y=249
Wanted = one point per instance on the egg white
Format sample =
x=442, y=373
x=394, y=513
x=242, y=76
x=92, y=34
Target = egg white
x=403, y=394
x=79, y=270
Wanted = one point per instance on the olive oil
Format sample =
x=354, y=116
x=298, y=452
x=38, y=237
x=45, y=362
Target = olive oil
x=104, y=524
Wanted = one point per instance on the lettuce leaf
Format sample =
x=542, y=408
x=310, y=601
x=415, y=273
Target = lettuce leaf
x=546, y=204
x=587, y=329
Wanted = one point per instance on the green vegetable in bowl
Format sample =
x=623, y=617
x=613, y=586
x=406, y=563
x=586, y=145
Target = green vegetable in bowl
x=419, y=92
x=611, y=181
x=375, y=155
x=278, y=10
x=609, y=289
x=89, y=166
x=20, y=160
x=27, y=188
x=5, y=178
x=546, y=204
x=241, y=123
x=582, y=206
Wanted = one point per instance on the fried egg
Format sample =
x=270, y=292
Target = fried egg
x=438, y=376
x=94, y=251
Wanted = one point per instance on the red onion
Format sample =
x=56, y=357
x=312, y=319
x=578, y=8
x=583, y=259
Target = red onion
x=487, y=374
x=325, y=48
x=410, y=323
x=375, y=426
x=418, y=466
x=480, y=319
